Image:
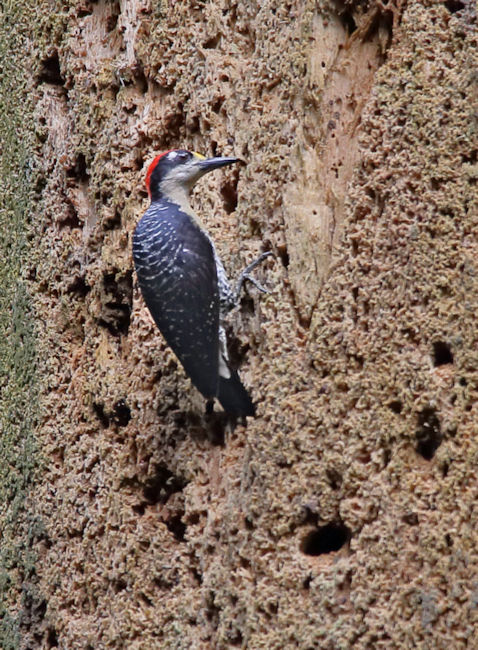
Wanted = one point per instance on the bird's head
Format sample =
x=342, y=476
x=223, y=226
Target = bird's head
x=175, y=172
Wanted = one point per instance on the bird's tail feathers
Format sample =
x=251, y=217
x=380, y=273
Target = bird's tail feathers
x=233, y=397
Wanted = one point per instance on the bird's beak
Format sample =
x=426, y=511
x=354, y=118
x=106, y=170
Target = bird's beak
x=208, y=164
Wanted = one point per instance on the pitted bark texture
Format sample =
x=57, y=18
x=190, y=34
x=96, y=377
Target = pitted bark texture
x=343, y=515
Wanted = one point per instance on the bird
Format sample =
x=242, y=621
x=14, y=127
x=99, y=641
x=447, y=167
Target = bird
x=183, y=281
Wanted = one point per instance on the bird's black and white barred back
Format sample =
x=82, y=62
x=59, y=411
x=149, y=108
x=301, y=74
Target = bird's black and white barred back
x=183, y=280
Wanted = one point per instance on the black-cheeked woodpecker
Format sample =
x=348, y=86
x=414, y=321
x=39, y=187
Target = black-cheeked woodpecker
x=183, y=281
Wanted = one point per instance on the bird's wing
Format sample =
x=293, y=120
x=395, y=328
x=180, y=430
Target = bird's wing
x=177, y=274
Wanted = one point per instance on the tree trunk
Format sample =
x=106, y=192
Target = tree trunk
x=343, y=514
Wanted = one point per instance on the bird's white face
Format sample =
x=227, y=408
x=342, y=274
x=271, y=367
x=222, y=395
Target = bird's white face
x=174, y=173
x=186, y=170
x=183, y=174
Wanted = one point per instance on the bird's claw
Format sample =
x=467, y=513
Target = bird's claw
x=253, y=281
x=246, y=274
x=250, y=267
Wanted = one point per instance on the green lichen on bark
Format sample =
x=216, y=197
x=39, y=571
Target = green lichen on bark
x=17, y=341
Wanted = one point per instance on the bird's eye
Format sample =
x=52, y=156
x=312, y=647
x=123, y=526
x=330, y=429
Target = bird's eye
x=184, y=155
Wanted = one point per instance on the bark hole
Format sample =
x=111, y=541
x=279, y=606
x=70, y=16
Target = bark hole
x=229, y=195
x=99, y=411
x=50, y=72
x=117, y=296
x=454, y=5
x=160, y=487
x=428, y=434
x=52, y=639
x=79, y=171
x=442, y=354
x=396, y=406
x=121, y=413
x=325, y=539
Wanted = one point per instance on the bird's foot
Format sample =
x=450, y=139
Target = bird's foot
x=246, y=275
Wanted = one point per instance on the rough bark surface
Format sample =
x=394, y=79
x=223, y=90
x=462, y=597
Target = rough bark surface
x=344, y=514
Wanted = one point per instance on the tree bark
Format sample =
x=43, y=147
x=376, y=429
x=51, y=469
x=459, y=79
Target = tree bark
x=343, y=514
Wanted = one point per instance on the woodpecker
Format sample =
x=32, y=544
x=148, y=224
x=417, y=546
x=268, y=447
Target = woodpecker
x=183, y=281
